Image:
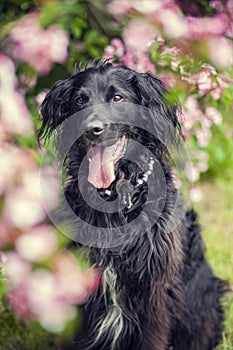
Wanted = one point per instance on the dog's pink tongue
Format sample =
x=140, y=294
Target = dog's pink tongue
x=101, y=167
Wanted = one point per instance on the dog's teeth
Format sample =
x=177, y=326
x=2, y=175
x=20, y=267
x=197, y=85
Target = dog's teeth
x=151, y=166
x=130, y=204
x=108, y=192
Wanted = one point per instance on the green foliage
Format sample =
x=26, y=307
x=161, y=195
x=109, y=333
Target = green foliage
x=3, y=286
x=13, y=9
x=83, y=21
x=220, y=152
x=215, y=211
x=16, y=334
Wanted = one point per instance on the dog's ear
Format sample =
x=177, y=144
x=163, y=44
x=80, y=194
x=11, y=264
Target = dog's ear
x=55, y=108
x=153, y=94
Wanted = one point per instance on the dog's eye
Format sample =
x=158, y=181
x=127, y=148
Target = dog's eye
x=117, y=98
x=80, y=101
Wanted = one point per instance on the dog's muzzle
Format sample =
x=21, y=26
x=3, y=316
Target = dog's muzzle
x=105, y=147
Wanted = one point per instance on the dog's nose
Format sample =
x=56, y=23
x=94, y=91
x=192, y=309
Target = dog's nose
x=95, y=129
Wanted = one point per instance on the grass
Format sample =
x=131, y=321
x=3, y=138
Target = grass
x=15, y=335
x=215, y=214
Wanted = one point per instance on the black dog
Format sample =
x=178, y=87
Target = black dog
x=114, y=129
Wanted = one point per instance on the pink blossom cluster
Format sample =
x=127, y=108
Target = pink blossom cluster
x=38, y=47
x=138, y=39
x=166, y=17
x=207, y=81
x=48, y=295
x=172, y=65
x=14, y=114
x=20, y=186
x=197, y=123
x=225, y=7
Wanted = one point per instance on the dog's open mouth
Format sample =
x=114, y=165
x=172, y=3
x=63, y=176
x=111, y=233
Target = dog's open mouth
x=102, y=160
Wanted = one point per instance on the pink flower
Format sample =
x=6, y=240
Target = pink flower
x=7, y=73
x=37, y=244
x=22, y=209
x=17, y=270
x=207, y=26
x=49, y=296
x=221, y=52
x=216, y=93
x=14, y=113
x=208, y=81
x=218, y=5
x=202, y=164
x=173, y=22
x=58, y=40
x=74, y=284
x=38, y=47
x=23, y=206
x=169, y=79
x=8, y=165
x=38, y=296
x=196, y=194
x=173, y=55
x=19, y=301
x=203, y=136
x=192, y=113
x=46, y=301
x=116, y=48
x=147, y=7
x=49, y=187
x=225, y=7
x=140, y=63
x=205, y=82
x=214, y=115
x=14, y=161
x=122, y=7
x=192, y=172
x=139, y=36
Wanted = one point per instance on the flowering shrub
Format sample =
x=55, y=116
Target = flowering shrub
x=40, y=279
x=53, y=43
x=50, y=291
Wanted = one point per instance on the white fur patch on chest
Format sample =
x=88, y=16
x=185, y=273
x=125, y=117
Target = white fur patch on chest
x=109, y=328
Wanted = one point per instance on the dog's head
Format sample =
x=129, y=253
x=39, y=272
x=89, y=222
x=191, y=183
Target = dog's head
x=104, y=107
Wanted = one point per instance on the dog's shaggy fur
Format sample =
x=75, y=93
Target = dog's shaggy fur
x=157, y=291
